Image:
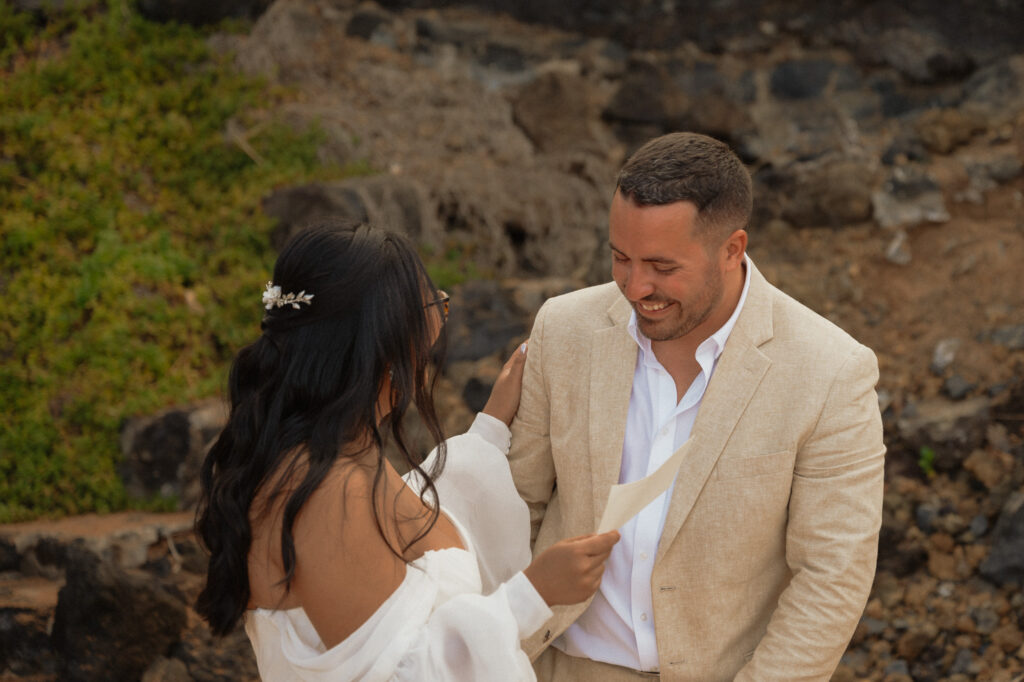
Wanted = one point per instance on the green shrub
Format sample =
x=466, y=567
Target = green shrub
x=133, y=246
x=451, y=268
x=926, y=461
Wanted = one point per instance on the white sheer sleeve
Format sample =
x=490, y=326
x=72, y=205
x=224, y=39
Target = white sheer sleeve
x=493, y=430
x=473, y=637
x=476, y=490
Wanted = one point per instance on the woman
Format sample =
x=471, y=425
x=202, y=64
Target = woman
x=340, y=568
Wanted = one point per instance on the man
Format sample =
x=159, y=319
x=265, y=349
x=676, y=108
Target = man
x=757, y=563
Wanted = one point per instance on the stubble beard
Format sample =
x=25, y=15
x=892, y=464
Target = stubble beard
x=690, y=316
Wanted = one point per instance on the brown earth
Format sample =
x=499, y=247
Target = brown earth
x=963, y=279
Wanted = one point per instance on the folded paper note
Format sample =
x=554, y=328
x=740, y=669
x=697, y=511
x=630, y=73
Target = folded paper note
x=626, y=500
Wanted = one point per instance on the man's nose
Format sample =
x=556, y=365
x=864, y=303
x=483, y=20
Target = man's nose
x=638, y=285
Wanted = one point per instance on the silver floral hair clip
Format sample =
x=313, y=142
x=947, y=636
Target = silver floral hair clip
x=273, y=298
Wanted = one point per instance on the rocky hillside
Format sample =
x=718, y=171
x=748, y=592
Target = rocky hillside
x=887, y=146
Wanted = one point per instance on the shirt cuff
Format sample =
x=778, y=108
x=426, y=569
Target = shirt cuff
x=492, y=430
x=528, y=607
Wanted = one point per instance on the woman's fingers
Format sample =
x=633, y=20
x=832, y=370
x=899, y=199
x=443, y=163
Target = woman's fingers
x=504, y=399
x=603, y=543
x=595, y=544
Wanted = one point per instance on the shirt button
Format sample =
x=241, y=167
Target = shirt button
x=643, y=617
x=643, y=556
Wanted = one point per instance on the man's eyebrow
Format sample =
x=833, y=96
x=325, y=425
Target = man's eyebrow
x=652, y=259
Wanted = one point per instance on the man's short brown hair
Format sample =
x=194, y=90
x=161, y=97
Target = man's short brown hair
x=691, y=167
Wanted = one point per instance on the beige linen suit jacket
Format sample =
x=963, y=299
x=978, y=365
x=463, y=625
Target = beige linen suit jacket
x=770, y=542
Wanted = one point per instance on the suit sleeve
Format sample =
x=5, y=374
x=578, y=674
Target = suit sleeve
x=835, y=513
x=530, y=456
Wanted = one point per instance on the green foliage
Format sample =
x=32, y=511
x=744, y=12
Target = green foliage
x=449, y=269
x=926, y=460
x=132, y=162
x=15, y=29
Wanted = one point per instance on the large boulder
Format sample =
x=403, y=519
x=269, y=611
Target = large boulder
x=291, y=41
x=386, y=200
x=831, y=191
x=558, y=111
x=25, y=648
x=1005, y=562
x=921, y=55
x=927, y=42
x=949, y=429
x=540, y=220
x=441, y=110
x=110, y=624
x=941, y=130
x=994, y=95
x=658, y=95
x=162, y=453
x=798, y=79
x=208, y=658
x=918, y=53
x=484, y=318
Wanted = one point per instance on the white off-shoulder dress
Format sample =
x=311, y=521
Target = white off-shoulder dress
x=457, y=615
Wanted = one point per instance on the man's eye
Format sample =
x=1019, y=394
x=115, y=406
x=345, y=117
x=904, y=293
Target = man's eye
x=665, y=271
x=619, y=258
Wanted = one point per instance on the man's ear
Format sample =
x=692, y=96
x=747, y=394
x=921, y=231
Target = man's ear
x=733, y=249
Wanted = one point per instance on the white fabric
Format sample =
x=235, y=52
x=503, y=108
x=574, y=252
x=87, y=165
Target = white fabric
x=478, y=494
x=438, y=624
x=618, y=626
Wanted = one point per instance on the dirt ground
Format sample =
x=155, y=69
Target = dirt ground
x=963, y=280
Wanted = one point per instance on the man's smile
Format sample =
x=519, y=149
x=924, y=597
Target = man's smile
x=653, y=306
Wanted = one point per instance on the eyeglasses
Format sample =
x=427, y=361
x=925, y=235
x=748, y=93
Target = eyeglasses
x=443, y=300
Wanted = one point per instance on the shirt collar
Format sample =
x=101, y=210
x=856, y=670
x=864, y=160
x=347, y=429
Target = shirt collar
x=715, y=343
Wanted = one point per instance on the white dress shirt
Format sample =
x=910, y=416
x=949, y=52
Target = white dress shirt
x=618, y=626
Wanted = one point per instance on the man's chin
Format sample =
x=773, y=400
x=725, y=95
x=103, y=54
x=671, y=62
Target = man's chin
x=655, y=330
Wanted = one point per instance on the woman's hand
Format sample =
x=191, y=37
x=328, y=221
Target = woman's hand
x=569, y=571
x=504, y=399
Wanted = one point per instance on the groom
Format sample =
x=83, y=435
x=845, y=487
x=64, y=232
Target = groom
x=757, y=563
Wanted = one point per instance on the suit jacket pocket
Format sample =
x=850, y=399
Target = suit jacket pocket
x=761, y=465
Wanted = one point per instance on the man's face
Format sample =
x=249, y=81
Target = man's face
x=668, y=275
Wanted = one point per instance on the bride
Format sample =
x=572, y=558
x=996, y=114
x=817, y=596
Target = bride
x=340, y=568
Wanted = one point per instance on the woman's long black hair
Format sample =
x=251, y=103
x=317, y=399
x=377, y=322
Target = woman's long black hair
x=310, y=385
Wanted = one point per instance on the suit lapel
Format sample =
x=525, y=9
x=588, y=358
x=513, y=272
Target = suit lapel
x=740, y=369
x=612, y=363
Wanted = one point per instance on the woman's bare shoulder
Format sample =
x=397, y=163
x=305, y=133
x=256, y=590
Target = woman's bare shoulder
x=345, y=569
